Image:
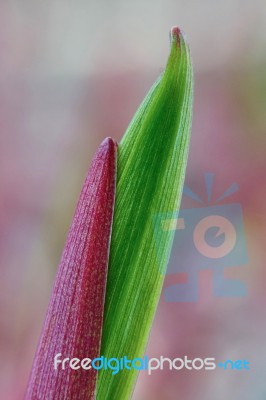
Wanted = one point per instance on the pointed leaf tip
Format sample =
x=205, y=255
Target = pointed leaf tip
x=73, y=324
x=175, y=33
x=108, y=143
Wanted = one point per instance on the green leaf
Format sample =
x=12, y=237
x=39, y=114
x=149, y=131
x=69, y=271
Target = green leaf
x=152, y=160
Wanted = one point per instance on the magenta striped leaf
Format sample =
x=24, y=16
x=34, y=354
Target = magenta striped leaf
x=73, y=324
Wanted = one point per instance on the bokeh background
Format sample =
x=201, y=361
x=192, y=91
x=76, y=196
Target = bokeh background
x=74, y=72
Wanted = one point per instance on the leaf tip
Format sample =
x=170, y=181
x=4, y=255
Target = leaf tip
x=108, y=144
x=108, y=148
x=176, y=35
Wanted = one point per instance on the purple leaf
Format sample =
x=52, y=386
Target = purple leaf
x=73, y=324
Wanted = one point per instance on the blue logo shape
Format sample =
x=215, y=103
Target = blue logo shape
x=204, y=238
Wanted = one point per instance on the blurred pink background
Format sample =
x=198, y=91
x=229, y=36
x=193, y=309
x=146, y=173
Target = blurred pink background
x=74, y=72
